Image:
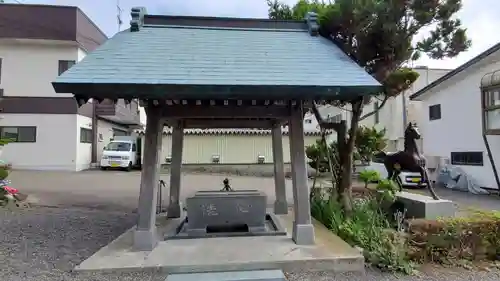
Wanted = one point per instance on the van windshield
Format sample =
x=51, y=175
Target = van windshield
x=118, y=146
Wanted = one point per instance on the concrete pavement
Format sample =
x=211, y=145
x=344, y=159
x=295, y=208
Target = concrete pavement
x=120, y=190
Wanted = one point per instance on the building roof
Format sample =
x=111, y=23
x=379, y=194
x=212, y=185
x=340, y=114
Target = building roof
x=49, y=22
x=457, y=70
x=206, y=57
x=228, y=131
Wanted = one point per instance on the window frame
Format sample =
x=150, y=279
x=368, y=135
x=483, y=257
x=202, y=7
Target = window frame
x=1, y=66
x=64, y=65
x=431, y=116
x=467, y=155
x=35, y=133
x=86, y=130
x=485, y=109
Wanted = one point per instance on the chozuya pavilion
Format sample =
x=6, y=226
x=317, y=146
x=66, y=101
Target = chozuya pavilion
x=207, y=72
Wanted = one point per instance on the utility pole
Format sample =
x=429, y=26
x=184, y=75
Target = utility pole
x=94, y=133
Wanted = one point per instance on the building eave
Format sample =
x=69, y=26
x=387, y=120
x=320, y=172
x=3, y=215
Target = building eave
x=235, y=132
x=419, y=95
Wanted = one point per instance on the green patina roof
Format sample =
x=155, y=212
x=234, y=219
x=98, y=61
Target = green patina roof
x=198, y=57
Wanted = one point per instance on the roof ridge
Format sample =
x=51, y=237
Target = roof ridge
x=224, y=28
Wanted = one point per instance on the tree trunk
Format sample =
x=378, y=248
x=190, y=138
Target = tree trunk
x=346, y=149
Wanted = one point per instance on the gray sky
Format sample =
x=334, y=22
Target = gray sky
x=479, y=16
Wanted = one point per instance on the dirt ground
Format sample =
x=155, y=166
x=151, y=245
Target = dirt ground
x=82, y=212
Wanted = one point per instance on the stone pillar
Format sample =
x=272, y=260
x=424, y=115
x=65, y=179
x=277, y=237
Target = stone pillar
x=174, y=206
x=145, y=235
x=303, y=230
x=280, y=205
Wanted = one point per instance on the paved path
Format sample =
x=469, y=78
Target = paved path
x=120, y=190
x=117, y=189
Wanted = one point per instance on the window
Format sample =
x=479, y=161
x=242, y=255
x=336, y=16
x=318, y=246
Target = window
x=308, y=121
x=134, y=148
x=435, y=112
x=469, y=158
x=377, y=116
x=334, y=119
x=85, y=135
x=491, y=108
x=117, y=132
x=19, y=134
x=65, y=65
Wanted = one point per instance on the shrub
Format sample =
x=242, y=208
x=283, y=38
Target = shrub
x=367, y=227
x=476, y=237
x=4, y=173
x=369, y=176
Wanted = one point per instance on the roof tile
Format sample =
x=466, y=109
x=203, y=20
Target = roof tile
x=218, y=56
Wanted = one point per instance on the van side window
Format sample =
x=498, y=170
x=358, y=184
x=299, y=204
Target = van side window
x=134, y=148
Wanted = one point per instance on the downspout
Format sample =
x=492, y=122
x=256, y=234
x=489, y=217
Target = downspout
x=487, y=81
x=492, y=161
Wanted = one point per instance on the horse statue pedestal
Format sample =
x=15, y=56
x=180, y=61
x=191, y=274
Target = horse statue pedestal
x=425, y=207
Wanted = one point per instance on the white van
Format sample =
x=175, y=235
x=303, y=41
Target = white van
x=121, y=153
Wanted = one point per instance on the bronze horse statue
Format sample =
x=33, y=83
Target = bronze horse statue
x=408, y=160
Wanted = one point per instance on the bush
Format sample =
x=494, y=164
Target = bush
x=369, y=176
x=473, y=238
x=4, y=173
x=367, y=227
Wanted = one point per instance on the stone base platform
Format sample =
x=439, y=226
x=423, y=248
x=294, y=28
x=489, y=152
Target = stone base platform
x=425, y=207
x=228, y=254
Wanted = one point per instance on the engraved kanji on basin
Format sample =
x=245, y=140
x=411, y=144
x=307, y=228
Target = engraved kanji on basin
x=226, y=209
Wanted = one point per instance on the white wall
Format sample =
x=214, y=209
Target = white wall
x=460, y=126
x=105, y=134
x=55, y=145
x=29, y=67
x=232, y=149
x=83, y=150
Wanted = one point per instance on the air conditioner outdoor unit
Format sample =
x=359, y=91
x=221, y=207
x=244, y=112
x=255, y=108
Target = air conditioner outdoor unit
x=261, y=159
x=168, y=159
x=215, y=158
x=443, y=161
x=432, y=162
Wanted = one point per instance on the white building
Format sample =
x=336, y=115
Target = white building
x=233, y=146
x=393, y=116
x=50, y=131
x=454, y=121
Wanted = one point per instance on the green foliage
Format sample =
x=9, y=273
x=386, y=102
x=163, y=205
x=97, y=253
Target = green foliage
x=367, y=227
x=318, y=151
x=475, y=237
x=369, y=176
x=381, y=37
x=5, y=141
x=4, y=173
x=388, y=189
x=368, y=141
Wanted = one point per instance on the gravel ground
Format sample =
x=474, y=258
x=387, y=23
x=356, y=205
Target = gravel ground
x=44, y=244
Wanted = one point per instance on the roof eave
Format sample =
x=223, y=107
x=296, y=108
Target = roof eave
x=86, y=90
x=456, y=71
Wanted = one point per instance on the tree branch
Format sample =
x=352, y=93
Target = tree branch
x=384, y=101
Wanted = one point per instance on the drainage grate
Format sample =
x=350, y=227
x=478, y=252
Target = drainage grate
x=257, y=275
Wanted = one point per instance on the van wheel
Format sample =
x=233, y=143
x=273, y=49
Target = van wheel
x=129, y=167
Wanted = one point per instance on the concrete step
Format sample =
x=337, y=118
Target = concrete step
x=258, y=275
